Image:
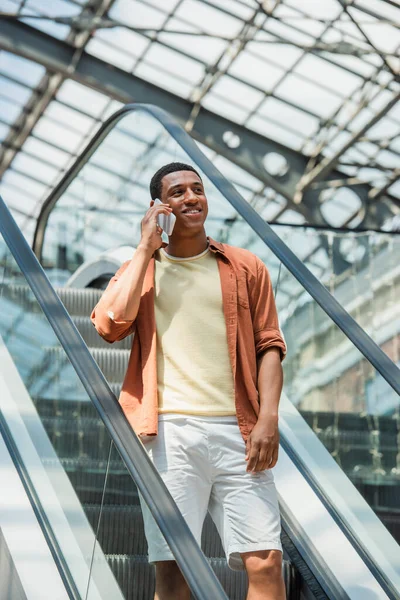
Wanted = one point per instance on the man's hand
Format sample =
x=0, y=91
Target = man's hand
x=262, y=445
x=151, y=232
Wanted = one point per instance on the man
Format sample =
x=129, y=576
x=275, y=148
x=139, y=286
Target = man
x=203, y=382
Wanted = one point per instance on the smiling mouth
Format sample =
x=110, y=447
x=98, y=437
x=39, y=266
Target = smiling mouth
x=192, y=211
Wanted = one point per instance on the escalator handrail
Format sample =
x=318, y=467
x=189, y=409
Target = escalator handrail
x=192, y=562
x=372, y=352
x=382, y=363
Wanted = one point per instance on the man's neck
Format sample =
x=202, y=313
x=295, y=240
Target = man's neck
x=186, y=247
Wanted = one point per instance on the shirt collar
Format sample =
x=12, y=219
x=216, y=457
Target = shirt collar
x=214, y=246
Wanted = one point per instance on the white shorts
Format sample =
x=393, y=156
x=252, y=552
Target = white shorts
x=202, y=462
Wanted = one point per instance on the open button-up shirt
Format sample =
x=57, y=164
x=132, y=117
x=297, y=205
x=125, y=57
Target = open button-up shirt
x=251, y=326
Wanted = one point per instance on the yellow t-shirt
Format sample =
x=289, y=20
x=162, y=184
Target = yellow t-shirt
x=194, y=373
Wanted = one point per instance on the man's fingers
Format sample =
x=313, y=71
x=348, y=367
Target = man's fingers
x=248, y=449
x=263, y=460
x=253, y=458
x=274, y=458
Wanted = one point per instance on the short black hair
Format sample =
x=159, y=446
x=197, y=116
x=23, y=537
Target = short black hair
x=156, y=180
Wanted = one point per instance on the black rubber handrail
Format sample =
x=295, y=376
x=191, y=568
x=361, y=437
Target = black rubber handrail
x=192, y=562
x=372, y=352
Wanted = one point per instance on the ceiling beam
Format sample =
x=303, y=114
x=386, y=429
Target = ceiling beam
x=57, y=56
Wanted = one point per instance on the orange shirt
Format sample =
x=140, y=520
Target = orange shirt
x=251, y=325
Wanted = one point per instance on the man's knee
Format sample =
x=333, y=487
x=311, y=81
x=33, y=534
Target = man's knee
x=170, y=582
x=265, y=564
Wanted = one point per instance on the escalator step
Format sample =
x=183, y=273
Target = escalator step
x=136, y=578
x=79, y=301
x=113, y=363
x=76, y=301
x=64, y=405
x=121, y=531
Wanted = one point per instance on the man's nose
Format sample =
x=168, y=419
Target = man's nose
x=190, y=196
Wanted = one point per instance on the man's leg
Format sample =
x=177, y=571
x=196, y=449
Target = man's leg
x=264, y=570
x=170, y=583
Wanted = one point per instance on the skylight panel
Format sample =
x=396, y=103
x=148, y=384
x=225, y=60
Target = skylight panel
x=284, y=114
x=164, y=79
x=233, y=172
x=35, y=167
x=137, y=14
x=121, y=38
x=4, y=131
x=110, y=54
x=309, y=95
x=385, y=37
x=324, y=73
x=60, y=135
x=209, y=19
x=15, y=92
x=57, y=30
x=280, y=55
x=19, y=180
x=350, y=29
x=53, y=8
x=70, y=117
x=101, y=177
x=224, y=108
x=9, y=111
x=182, y=66
x=46, y=152
x=238, y=9
x=83, y=97
x=275, y=132
x=26, y=71
x=285, y=32
x=8, y=6
x=164, y=5
x=388, y=160
x=383, y=9
x=256, y=71
x=15, y=197
x=17, y=201
x=327, y=10
x=203, y=48
x=120, y=163
x=353, y=63
x=336, y=142
x=238, y=92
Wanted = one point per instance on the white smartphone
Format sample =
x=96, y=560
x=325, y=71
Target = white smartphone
x=166, y=222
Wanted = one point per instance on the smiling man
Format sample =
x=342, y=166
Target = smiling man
x=203, y=383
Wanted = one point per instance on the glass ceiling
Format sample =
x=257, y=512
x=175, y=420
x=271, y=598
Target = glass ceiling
x=319, y=77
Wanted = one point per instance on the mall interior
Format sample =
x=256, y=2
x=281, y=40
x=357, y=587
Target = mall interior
x=289, y=111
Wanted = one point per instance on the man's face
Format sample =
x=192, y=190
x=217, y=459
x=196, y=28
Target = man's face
x=184, y=192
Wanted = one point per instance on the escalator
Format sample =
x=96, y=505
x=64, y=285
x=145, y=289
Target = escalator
x=335, y=546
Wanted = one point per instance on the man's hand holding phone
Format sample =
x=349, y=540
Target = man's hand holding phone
x=151, y=231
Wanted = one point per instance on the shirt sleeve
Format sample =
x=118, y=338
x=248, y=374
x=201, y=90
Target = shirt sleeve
x=103, y=320
x=267, y=332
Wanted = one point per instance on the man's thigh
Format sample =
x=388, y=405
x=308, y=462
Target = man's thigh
x=179, y=454
x=244, y=506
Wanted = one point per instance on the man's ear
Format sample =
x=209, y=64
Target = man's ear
x=151, y=203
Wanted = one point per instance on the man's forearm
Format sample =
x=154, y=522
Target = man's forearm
x=270, y=382
x=124, y=298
